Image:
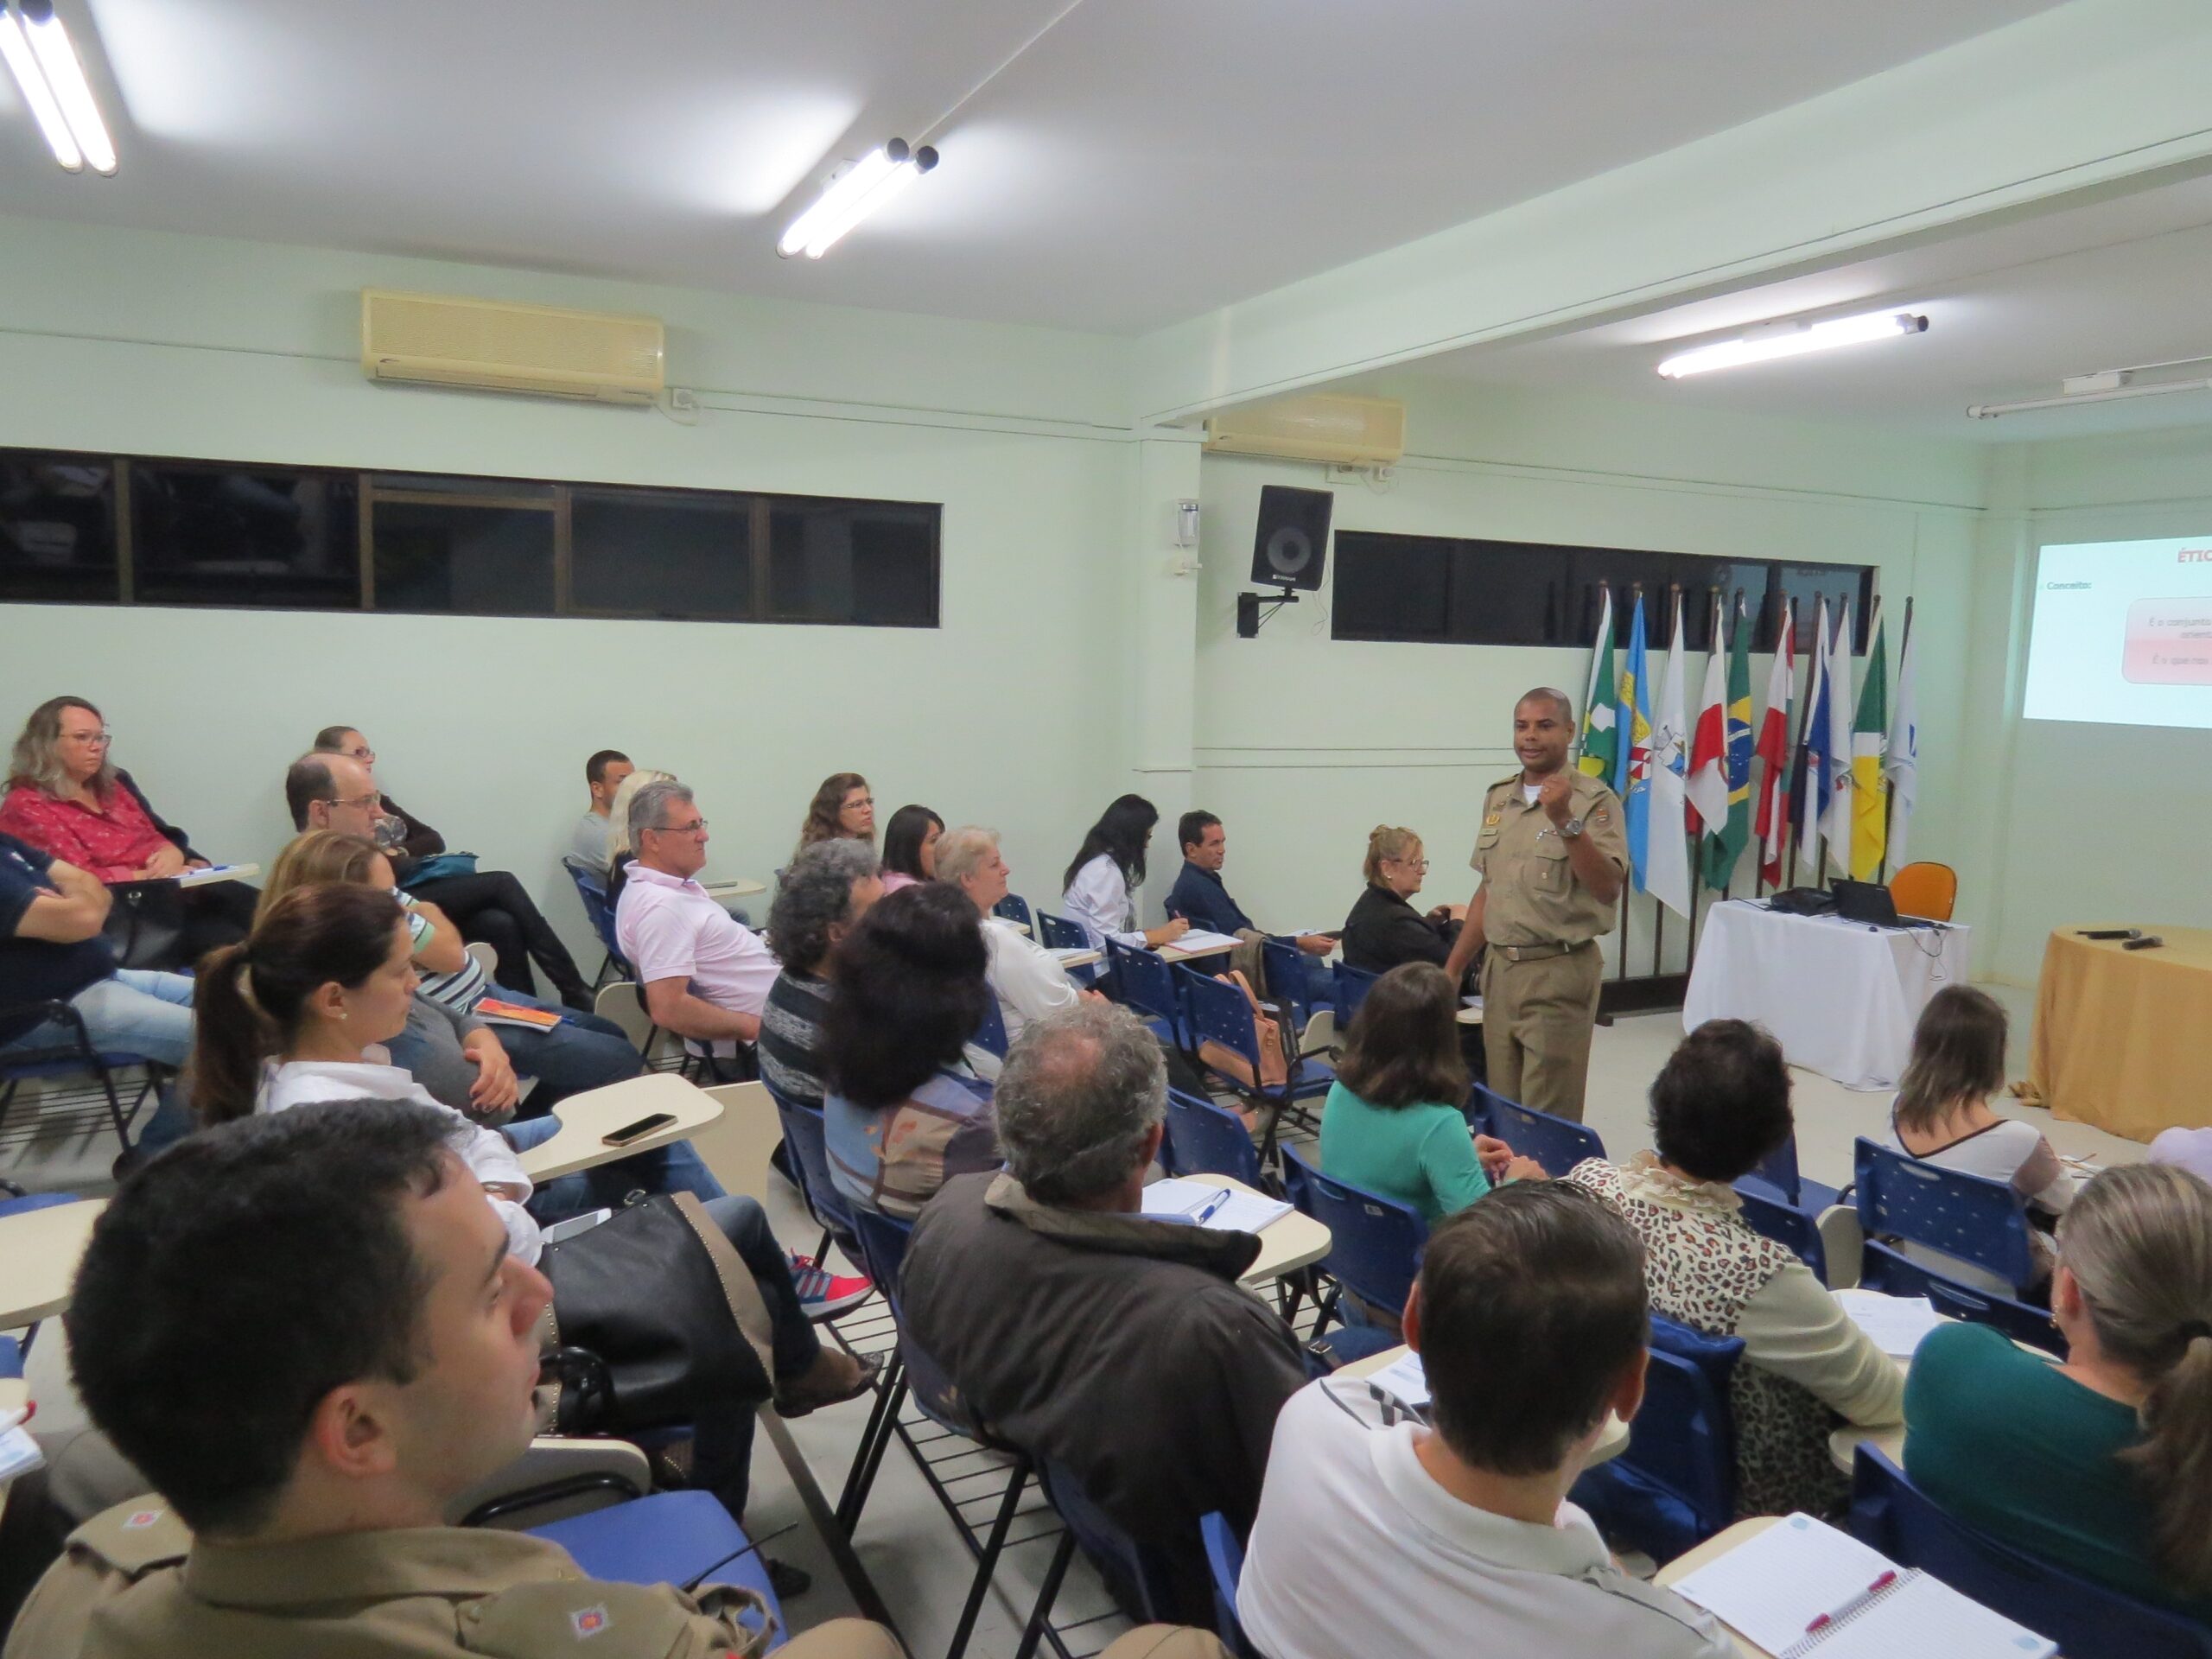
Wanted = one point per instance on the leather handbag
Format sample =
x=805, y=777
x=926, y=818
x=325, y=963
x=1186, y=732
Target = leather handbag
x=145, y=925
x=653, y=1312
x=1275, y=1058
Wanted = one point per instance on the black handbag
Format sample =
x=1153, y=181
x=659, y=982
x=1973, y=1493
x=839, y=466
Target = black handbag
x=145, y=925
x=653, y=1312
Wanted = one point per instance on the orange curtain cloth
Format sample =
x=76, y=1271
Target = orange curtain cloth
x=2123, y=1039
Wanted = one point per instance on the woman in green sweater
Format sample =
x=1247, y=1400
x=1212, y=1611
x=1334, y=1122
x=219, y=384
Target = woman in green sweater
x=1393, y=1122
x=2103, y=1464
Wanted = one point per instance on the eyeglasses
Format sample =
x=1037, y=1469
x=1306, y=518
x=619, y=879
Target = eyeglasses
x=679, y=829
x=364, y=754
x=1410, y=863
x=96, y=739
x=373, y=800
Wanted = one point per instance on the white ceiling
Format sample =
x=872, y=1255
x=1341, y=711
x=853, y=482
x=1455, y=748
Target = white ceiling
x=2011, y=309
x=1145, y=161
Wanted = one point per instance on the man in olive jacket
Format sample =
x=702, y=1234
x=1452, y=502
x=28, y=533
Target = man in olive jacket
x=1115, y=1346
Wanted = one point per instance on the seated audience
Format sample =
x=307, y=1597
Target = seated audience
x=2103, y=1465
x=1108, y=869
x=826, y=891
x=1121, y=1348
x=619, y=853
x=842, y=809
x=68, y=799
x=1198, y=895
x=706, y=976
x=1026, y=978
x=1393, y=1122
x=906, y=1112
x=307, y=1440
x=1383, y=929
x=603, y=776
x=1378, y=1537
x=295, y=1017
x=490, y=906
x=1720, y=1105
x=910, y=846
x=1943, y=1116
x=582, y=1052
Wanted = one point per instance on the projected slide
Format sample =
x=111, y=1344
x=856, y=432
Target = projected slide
x=2122, y=634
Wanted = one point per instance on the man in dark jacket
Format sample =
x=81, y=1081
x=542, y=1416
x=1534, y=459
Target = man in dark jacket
x=1115, y=1346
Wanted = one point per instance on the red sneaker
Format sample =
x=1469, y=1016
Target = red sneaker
x=823, y=1295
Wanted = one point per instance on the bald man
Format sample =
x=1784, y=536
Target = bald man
x=1552, y=854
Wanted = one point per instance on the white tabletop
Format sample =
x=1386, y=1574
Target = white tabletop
x=1177, y=953
x=586, y=1117
x=740, y=888
x=1611, y=1442
x=1841, y=997
x=38, y=1252
x=1711, y=1550
x=1286, y=1243
x=1078, y=958
x=214, y=873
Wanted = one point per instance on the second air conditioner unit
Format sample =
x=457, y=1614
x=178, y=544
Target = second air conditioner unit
x=1329, y=426
x=441, y=341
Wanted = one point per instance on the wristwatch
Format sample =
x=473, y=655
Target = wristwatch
x=1571, y=829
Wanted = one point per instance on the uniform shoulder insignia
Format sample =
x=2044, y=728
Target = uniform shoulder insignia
x=580, y=1617
x=135, y=1536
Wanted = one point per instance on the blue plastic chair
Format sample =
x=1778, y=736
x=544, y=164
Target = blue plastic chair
x=1211, y=1139
x=1884, y=1268
x=1374, y=1243
x=1556, y=1143
x=806, y=1133
x=1058, y=933
x=1674, y=1486
x=991, y=1034
x=1967, y=1217
x=1353, y=987
x=1225, y=1562
x=1786, y=1225
x=1142, y=980
x=1015, y=908
x=1137, y=1573
x=1288, y=989
x=1777, y=1177
x=591, y=889
x=679, y=1538
x=75, y=1056
x=2084, y=1617
x=1218, y=1012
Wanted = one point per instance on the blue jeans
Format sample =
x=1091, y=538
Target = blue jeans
x=583, y=1052
x=131, y=1012
x=676, y=1167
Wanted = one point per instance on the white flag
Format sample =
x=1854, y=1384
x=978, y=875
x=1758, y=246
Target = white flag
x=1709, y=782
x=1902, y=764
x=1843, y=707
x=1666, y=872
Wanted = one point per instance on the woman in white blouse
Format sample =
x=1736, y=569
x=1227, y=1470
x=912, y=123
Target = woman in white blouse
x=1942, y=1115
x=298, y=1014
x=1108, y=869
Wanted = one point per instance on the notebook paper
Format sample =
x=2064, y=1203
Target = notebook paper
x=1403, y=1380
x=1897, y=1323
x=1198, y=939
x=1179, y=1199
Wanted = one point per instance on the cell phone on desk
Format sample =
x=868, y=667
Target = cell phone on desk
x=2142, y=942
x=638, y=1130
x=2110, y=932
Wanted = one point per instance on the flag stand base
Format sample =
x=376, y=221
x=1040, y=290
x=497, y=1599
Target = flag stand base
x=1645, y=994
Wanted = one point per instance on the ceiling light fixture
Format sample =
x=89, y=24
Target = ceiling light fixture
x=2104, y=386
x=1792, y=340
x=854, y=194
x=46, y=66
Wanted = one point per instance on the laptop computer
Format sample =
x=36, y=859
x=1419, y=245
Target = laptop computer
x=1865, y=901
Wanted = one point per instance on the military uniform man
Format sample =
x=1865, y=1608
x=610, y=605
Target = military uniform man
x=1551, y=853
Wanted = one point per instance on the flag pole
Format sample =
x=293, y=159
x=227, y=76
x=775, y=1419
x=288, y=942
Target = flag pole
x=1803, y=714
x=1628, y=888
x=1889, y=817
x=1658, y=909
x=1731, y=882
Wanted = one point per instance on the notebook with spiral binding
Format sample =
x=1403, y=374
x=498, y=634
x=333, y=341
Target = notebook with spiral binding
x=1802, y=1590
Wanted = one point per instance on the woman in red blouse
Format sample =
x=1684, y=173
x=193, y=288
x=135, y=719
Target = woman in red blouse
x=69, y=800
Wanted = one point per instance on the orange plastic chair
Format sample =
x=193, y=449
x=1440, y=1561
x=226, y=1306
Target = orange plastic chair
x=1926, y=890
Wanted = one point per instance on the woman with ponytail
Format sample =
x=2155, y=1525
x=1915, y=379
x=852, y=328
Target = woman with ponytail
x=298, y=1014
x=2103, y=1464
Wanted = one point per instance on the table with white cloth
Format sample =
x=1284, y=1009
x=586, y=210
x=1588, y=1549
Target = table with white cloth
x=1841, y=997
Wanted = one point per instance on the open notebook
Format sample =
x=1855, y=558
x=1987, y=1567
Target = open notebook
x=1897, y=1323
x=1802, y=1590
x=1211, y=1205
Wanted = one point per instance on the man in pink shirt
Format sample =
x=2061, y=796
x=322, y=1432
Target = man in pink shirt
x=707, y=977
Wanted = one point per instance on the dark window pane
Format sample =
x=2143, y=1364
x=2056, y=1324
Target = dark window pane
x=57, y=528
x=509, y=489
x=470, y=561
x=1390, y=586
x=239, y=537
x=660, y=553
x=870, y=561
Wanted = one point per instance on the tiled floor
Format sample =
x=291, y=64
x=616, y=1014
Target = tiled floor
x=905, y=1540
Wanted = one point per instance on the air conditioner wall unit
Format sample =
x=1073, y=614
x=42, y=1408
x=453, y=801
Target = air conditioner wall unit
x=449, y=341
x=1329, y=426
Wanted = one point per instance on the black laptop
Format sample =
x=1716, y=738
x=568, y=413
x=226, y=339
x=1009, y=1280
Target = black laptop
x=1865, y=901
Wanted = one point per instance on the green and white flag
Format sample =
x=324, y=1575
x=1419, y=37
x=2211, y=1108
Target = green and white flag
x=1600, y=729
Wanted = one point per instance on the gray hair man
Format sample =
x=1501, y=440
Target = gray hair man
x=1114, y=1345
x=1026, y=978
x=826, y=890
x=706, y=975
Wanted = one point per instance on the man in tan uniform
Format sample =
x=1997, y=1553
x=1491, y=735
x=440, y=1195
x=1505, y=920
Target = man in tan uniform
x=1551, y=853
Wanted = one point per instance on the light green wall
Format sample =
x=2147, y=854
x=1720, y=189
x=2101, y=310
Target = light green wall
x=1017, y=712
x=1305, y=744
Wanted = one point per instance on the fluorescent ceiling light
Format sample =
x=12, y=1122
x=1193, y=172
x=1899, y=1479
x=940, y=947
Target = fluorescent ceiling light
x=1792, y=340
x=854, y=195
x=66, y=75
x=44, y=109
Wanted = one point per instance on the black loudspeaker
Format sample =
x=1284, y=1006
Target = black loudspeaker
x=1294, y=538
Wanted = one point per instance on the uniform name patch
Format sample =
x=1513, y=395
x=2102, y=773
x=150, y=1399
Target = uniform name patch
x=142, y=1519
